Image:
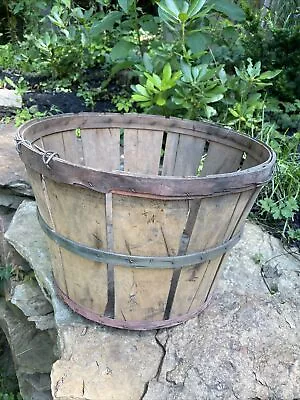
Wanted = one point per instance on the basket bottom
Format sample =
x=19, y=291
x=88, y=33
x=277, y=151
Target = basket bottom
x=131, y=325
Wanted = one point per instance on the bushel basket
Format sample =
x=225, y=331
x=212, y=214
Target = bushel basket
x=140, y=210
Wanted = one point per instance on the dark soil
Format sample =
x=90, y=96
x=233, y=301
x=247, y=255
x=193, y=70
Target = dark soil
x=62, y=102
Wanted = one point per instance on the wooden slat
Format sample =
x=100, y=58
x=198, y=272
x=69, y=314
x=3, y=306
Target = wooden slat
x=86, y=281
x=101, y=148
x=209, y=231
x=221, y=159
x=73, y=147
x=249, y=162
x=42, y=199
x=54, y=143
x=36, y=183
x=188, y=155
x=145, y=227
x=57, y=265
x=142, y=151
x=170, y=153
x=79, y=214
x=206, y=131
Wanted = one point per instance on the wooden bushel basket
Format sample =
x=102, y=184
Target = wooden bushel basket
x=140, y=210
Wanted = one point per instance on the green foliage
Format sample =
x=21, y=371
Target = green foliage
x=279, y=201
x=157, y=89
x=26, y=114
x=277, y=48
x=5, y=273
x=220, y=60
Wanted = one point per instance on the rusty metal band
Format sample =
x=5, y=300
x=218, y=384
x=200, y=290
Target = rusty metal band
x=162, y=187
x=132, y=325
x=131, y=261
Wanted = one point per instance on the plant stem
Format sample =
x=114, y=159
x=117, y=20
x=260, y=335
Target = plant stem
x=183, y=39
x=137, y=28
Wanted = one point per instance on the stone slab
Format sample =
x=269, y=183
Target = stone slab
x=245, y=345
x=29, y=298
x=12, y=171
x=32, y=352
x=10, y=99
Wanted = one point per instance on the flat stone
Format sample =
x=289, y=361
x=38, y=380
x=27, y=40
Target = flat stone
x=32, y=351
x=245, y=345
x=9, y=200
x=43, y=322
x=10, y=99
x=28, y=297
x=12, y=171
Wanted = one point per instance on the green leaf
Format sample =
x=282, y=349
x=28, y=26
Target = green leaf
x=125, y=4
x=198, y=41
x=183, y=17
x=173, y=6
x=167, y=72
x=222, y=76
x=167, y=12
x=148, y=23
x=167, y=19
x=66, y=3
x=230, y=9
x=121, y=50
x=138, y=97
x=270, y=74
x=267, y=204
x=142, y=90
x=154, y=79
x=187, y=71
x=147, y=62
x=195, y=7
x=160, y=101
x=210, y=111
x=214, y=98
x=106, y=24
x=233, y=112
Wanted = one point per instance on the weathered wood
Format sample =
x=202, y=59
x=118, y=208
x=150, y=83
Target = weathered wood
x=145, y=227
x=204, y=130
x=37, y=186
x=137, y=144
x=221, y=159
x=182, y=155
x=73, y=149
x=54, y=143
x=249, y=162
x=79, y=215
x=209, y=231
x=41, y=195
x=101, y=148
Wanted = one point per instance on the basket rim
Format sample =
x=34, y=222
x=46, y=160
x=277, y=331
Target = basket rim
x=142, y=185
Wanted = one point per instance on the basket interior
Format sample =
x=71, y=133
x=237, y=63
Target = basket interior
x=150, y=151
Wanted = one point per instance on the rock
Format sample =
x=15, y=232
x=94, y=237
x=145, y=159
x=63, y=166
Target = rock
x=5, y=219
x=28, y=297
x=245, y=345
x=43, y=322
x=13, y=176
x=99, y=363
x=32, y=352
x=10, y=99
x=9, y=200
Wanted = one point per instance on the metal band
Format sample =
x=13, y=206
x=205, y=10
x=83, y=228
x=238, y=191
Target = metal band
x=130, y=261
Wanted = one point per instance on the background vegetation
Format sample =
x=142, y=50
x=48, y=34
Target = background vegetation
x=234, y=63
